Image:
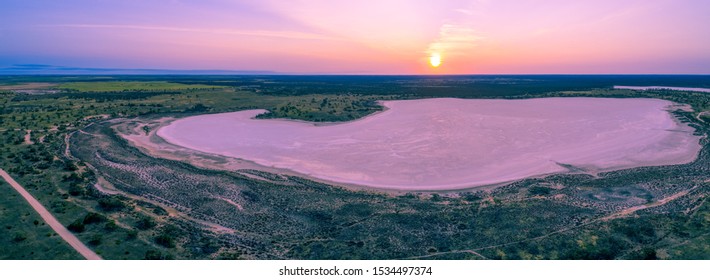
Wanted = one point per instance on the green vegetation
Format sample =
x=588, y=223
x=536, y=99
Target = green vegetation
x=320, y=108
x=557, y=217
x=23, y=233
x=111, y=204
x=129, y=86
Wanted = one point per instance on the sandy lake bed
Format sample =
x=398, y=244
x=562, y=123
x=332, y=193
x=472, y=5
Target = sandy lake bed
x=448, y=143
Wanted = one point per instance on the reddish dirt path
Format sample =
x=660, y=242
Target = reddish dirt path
x=631, y=210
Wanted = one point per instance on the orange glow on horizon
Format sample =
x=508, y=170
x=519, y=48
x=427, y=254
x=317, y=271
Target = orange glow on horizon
x=435, y=60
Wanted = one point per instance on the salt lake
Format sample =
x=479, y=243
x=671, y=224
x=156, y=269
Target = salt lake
x=448, y=143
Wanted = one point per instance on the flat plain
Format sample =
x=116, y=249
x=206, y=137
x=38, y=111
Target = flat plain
x=82, y=156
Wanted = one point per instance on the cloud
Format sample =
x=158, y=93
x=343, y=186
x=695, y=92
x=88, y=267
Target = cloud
x=465, y=11
x=454, y=39
x=236, y=32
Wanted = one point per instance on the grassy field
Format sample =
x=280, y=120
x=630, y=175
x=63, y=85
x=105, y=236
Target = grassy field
x=25, y=86
x=23, y=233
x=131, y=86
x=335, y=223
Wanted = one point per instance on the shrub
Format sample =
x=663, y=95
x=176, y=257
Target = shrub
x=165, y=240
x=160, y=211
x=93, y=218
x=19, y=237
x=471, y=197
x=156, y=255
x=95, y=240
x=77, y=226
x=145, y=223
x=250, y=196
x=111, y=226
x=111, y=204
x=76, y=189
x=538, y=191
x=131, y=234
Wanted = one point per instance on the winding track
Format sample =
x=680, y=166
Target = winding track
x=620, y=214
x=51, y=220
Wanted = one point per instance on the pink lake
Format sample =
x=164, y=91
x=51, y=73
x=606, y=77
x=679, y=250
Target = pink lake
x=447, y=143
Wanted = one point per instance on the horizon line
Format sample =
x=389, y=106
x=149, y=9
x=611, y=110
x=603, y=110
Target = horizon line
x=53, y=70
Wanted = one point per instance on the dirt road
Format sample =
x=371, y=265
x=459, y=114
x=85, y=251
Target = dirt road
x=51, y=220
x=631, y=210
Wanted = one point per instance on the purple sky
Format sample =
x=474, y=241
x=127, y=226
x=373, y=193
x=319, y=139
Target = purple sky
x=368, y=37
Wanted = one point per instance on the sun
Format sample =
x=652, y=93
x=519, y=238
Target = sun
x=435, y=60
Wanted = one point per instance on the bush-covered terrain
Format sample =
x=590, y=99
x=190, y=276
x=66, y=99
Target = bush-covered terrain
x=130, y=86
x=60, y=144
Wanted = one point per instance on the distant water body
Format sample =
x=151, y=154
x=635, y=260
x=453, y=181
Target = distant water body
x=662, y=87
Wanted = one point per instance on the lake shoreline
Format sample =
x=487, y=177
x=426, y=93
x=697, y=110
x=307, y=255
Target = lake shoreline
x=551, y=168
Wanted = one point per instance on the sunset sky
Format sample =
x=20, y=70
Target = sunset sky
x=361, y=37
